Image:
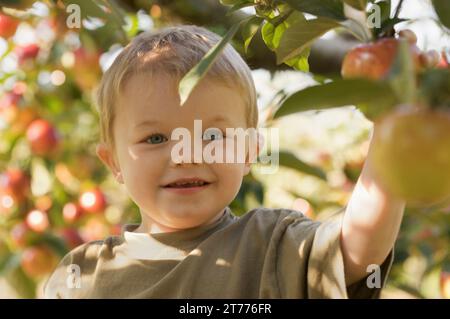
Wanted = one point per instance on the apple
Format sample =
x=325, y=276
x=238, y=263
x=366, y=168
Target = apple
x=373, y=60
x=411, y=155
x=37, y=221
x=42, y=136
x=71, y=237
x=16, y=183
x=71, y=212
x=8, y=26
x=38, y=261
x=27, y=52
x=93, y=201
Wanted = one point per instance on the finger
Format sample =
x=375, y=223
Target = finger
x=409, y=35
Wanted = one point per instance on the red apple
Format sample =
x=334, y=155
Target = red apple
x=374, y=60
x=38, y=261
x=42, y=136
x=27, y=52
x=37, y=220
x=93, y=201
x=71, y=212
x=16, y=183
x=8, y=26
x=71, y=237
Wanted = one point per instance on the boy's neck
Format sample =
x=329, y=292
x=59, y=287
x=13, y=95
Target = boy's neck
x=151, y=226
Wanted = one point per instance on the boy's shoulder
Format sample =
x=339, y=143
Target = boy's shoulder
x=274, y=217
x=260, y=217
x=270, y=217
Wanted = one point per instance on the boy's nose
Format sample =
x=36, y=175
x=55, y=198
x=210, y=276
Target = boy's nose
x=185, y=155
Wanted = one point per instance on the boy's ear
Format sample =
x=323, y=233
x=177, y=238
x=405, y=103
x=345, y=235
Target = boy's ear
x=253, y=155
x=107, y=157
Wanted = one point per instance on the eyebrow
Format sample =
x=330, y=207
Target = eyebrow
x=219, y=118
x=146, y=123
x=216, y=119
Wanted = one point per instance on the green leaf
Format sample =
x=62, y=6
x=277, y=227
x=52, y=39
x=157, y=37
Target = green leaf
x=442, y=8
x=300, y=62
x=339, y=93
x=287, y=159
x=55, y=243
x=193, y=77
x=402, y=77
x=300, y=35
x=8, y=263
x=385, y=9
x=249, y=30
x=359, y=31
x=435, y=88
x=232, y=2
x=332, y=9
x=273, y=31
x=357, y=4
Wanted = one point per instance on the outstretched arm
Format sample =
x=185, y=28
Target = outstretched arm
x=370, y=226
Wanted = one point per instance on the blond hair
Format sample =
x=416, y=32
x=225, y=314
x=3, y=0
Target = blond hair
x=174, y=51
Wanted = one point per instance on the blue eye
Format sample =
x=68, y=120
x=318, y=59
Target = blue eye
x=156, y=139
x=212, y=134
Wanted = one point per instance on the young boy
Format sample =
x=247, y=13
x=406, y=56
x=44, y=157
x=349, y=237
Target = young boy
x=189, y=244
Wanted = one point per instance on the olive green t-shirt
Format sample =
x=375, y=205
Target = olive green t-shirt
x=266, y=253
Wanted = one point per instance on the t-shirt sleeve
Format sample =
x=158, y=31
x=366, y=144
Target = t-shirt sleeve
x=310, y=263
x=69, y=279
x=56, y=285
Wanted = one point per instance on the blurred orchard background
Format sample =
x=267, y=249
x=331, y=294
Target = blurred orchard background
x=55, y=194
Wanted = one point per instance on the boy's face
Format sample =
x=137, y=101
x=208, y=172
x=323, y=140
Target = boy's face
x=143, y=149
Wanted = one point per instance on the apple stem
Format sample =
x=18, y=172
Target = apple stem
x=398, y=8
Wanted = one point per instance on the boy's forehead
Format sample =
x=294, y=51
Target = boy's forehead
x=154, y=98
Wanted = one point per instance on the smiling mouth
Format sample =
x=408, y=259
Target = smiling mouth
x=187, y=184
